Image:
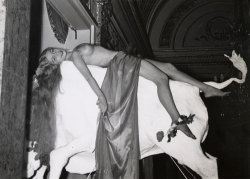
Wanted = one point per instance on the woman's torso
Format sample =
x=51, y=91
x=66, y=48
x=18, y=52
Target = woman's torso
x=98, y=56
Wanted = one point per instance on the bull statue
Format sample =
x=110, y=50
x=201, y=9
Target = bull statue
x=77, y=113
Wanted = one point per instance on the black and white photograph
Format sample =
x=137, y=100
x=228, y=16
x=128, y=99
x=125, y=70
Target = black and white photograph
x=124, y=89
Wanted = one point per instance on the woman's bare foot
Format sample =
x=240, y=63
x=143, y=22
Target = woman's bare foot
x=213, y=92
x=58, y=159
x=181, y=124
x=185, y=129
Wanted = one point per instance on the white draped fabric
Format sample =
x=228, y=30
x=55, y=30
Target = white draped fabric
x=77, y=113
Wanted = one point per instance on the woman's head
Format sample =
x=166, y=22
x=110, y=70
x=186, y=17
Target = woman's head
x=53, y=55
x=48, y=73
x=49, y=63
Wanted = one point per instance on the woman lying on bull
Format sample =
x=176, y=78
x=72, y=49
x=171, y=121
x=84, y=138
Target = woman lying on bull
x=120, y=82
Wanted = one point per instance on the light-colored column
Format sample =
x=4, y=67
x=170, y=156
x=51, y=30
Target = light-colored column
x=14, y=88
x=2, y=30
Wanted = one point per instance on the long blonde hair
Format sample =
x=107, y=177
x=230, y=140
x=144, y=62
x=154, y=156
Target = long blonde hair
x=42, y=118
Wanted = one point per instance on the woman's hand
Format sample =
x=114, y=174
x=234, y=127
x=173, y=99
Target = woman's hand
x=102, y=103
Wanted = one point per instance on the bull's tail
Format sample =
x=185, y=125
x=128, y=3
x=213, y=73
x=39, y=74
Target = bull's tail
x=239, y=63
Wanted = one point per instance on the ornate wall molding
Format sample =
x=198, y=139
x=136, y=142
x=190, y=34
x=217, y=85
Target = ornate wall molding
x=109, y=35
x=197, y=32
x=217, y=29
x=221, y=11
x=129, y=22
x=171, y=23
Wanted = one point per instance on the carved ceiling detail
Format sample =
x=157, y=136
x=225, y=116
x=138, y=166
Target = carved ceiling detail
x=217, y=29
x=176, y=16
x=202, y=24
x=109, y=36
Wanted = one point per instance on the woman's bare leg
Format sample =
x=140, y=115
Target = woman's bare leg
x=177, y=75
x=155, y=75
x=59, y=157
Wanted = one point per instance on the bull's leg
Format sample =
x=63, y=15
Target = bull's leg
x=59, y=157
x=214, y=167
x=32, y=164
x=177, y=75
x=188, y=152
x=40, y=172
x=205, y=166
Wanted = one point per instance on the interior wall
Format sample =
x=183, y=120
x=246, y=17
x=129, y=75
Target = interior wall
x=48, y=39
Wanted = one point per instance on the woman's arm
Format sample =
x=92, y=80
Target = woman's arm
x=84, y=70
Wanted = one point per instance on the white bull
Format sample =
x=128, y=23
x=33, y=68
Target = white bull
x=77, y=112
